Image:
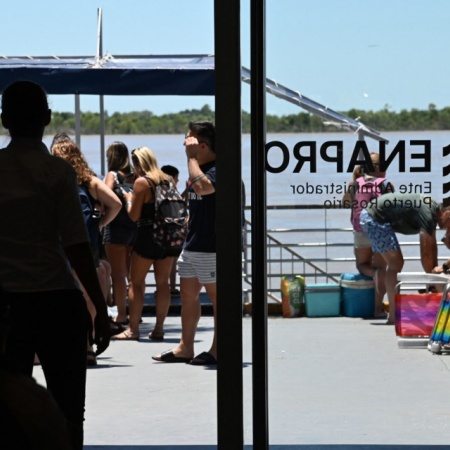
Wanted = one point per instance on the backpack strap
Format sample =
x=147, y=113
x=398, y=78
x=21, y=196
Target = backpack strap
x=116, y=178
x=150, y=182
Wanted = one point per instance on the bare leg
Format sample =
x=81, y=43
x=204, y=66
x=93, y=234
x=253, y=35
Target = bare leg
x=190, y=315
x=363, y=257
x=139, y=269
x=119, y=258
x=173, y=276
x=104, y=276
x=211, y=290
x=162, y=269
x=380, y=288
x=394, y=261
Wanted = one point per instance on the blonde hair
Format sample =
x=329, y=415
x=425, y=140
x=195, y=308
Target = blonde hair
x=147, y=162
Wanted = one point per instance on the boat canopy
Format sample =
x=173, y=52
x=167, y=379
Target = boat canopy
x=113, y=75
x=148, y=75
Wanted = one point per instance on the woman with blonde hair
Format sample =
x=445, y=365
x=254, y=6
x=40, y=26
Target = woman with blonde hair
x=118, y=235
x=141, y=209
x=105, y=206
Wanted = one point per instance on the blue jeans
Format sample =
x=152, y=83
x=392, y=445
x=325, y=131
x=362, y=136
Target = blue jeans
x=54, y=325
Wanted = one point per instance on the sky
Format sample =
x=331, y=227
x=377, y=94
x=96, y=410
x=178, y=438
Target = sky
x=365, y=54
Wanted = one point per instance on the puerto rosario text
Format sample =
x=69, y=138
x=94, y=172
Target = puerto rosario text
x=394, y=203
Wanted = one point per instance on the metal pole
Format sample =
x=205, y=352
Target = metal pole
x=77, y=120
x=259, y=226
x=230, y=416
x=101, y=105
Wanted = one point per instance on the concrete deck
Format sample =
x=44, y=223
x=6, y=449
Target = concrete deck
x=334, y=384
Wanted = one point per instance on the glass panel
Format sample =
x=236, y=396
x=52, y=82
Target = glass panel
x=382, y=66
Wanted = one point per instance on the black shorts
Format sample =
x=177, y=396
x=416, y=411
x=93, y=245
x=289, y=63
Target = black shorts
x=145, y=246
x=119, y=234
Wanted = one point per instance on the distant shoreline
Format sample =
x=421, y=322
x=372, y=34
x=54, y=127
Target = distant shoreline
x=145, y=122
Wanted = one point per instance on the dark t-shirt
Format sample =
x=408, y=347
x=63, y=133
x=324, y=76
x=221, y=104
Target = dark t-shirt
x=201, y=235
x=407, y=213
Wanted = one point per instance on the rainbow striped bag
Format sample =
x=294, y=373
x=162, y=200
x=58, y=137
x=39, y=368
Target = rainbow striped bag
x=440, y=335
x=415, y=314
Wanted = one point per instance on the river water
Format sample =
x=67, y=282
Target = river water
x=419, y=169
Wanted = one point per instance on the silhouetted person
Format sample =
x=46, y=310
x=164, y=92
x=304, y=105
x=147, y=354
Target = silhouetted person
x=43, y=236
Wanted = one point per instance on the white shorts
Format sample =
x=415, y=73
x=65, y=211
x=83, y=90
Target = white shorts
x=197, y=265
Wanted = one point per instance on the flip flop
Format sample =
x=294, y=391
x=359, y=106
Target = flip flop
x=169, y=357
x=125, y=336
x=204, y=359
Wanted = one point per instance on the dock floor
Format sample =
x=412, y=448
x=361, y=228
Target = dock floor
x=334, y=384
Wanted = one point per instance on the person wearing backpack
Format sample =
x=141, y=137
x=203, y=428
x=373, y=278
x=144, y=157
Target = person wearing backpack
x=174, y=173
x=367, y=184
x=143, y=205
x=119, y=234
x=100, y=206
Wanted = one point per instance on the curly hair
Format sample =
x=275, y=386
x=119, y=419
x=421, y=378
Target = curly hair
x=70, y=151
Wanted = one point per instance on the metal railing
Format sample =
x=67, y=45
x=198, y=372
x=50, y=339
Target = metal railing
x=318, y=260
x=319, y=254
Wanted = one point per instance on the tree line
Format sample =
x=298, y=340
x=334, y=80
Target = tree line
x=145, y=122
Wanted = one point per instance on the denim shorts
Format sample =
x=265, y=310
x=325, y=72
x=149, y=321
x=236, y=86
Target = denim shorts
x=381, y=235
x=198, y=265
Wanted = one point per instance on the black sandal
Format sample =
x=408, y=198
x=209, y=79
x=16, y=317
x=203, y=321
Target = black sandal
x=91, y=359
x=116, y=327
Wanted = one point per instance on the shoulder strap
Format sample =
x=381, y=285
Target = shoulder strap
x=150, y=182
x=116, y=178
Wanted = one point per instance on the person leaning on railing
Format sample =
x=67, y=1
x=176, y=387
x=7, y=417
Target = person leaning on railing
x=406, y=214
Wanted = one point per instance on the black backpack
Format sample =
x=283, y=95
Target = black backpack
x=91, y=215
x=171, y=218
x=123, y=183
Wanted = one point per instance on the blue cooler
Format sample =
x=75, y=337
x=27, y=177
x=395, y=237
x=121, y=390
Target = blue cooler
x=358, y=295
x=322, y=300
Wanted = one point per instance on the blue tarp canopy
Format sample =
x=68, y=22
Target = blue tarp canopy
x=149, y=75
x=113, y=75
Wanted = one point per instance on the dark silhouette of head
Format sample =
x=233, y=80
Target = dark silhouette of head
x=25, y=111
x=170, y=170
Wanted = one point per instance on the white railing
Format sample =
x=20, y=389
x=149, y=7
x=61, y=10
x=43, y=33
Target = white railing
x=320, y=254
x=298, y=251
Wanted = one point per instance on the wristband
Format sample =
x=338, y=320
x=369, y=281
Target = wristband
x=195, y=179
x=128, y=204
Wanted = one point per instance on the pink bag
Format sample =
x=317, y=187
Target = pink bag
x=415, y=314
